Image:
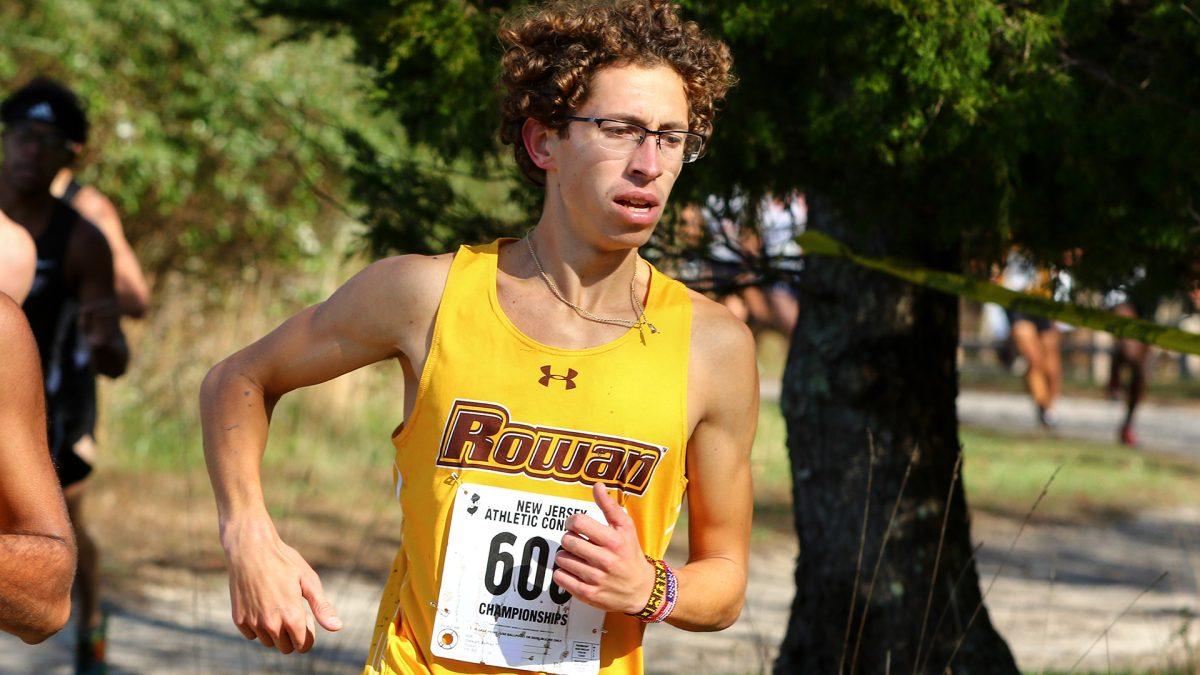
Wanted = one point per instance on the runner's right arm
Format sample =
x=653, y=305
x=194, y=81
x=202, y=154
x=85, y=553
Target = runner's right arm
x=386, y=311
x=37, y=549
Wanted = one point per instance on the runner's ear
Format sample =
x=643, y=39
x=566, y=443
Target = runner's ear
x=538, y=138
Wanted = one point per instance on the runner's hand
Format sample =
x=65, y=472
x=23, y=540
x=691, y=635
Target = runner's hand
x=270, y=583
x=603, y=565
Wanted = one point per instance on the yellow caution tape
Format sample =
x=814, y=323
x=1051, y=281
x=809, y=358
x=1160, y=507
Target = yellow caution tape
x=819, y=243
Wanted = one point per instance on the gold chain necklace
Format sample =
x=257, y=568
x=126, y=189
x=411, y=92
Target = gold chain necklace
x=635, y=301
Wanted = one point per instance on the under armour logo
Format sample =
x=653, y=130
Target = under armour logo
x=568, y=379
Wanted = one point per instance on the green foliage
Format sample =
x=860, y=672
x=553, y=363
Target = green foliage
x=1114, y=166
x=417, y=207
x=947, y=129
x=434, y=66
x=953, y=129
x=434, y=63
x=215, y=138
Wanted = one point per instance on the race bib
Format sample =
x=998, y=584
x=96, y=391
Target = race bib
x=498, y=604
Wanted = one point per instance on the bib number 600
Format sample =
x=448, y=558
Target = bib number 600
x=530, y=575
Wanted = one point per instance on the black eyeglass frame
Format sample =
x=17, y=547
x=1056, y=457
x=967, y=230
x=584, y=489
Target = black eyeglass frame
x=647, y=132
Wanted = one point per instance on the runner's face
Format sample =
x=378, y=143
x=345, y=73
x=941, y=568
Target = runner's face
x=616, y=198
x=34, y=152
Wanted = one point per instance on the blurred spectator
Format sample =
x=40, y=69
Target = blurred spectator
x=735, y=252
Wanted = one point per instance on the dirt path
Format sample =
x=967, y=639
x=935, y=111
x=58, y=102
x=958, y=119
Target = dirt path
x=1164, y=427
x=1171, y=428
x=1056, y=594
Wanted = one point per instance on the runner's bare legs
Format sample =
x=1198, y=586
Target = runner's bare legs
x=1133, y=354
x=1029, y=345
x=87, y=572
x=1052, y=367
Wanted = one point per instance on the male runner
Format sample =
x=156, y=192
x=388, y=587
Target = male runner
x=79, y=391
x=72, y=307
x=37, y=551
x=556, y=383
x=1132, y=300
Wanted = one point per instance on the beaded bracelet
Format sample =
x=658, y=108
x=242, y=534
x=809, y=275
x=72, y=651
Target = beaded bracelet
x=658, y=592
x=662, y=594
x=668, y=604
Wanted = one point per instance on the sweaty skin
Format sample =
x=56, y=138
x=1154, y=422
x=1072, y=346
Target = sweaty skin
x=587, y=241
x=37, y=551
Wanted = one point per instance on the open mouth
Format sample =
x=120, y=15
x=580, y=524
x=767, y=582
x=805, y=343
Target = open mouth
x=636, y=205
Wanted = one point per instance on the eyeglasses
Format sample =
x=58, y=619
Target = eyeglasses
x=677, y=146
x=25, y=135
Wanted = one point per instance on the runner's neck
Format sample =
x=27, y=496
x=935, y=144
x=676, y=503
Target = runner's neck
x=588, y=277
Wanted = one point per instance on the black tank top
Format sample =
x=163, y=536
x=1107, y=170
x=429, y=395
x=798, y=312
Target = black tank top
x=72, y=189
x=50, y=298
x=79, y=377
x=53, y=310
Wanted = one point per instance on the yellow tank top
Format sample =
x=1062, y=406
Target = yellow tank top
x=615, y=414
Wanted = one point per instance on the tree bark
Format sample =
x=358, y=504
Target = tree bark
x=872, y=365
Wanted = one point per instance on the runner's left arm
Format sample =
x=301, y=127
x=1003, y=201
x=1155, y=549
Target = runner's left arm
x=604, y=566
x=91, y=270
x=712, y=585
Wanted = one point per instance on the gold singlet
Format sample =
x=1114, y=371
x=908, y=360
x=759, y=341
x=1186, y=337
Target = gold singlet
x=495, y=407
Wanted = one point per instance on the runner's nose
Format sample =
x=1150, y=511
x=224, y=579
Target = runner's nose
x=646, y=160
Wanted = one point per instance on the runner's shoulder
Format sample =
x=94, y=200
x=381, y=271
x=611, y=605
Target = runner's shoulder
x=409, y=277
x=401, y=287
x=718, y=335
x=94, y=205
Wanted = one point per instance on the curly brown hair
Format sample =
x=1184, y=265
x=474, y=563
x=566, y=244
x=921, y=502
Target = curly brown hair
x=553, y=49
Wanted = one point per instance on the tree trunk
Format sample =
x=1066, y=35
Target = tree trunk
x=872, y=363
